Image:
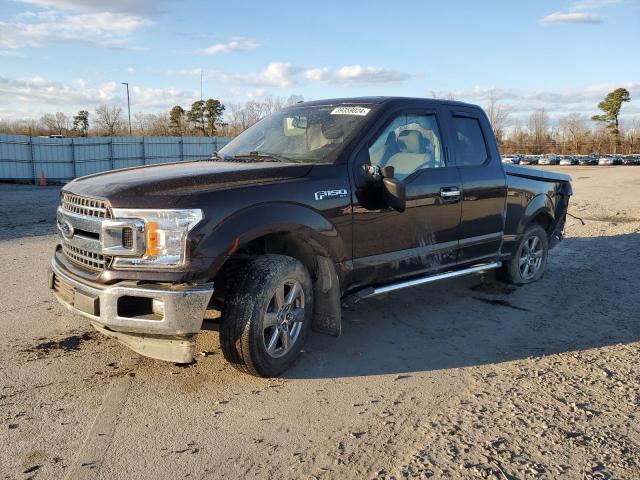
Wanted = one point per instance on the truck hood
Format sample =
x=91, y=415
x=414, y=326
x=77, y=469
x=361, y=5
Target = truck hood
x=162, y=186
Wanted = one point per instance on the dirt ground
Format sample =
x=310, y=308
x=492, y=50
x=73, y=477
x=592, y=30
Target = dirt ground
x=469, y=378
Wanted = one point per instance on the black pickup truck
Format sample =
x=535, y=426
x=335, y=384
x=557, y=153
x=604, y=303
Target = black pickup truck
x=316, y=206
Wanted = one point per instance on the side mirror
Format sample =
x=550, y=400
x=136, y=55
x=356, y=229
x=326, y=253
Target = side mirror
x=393, y=190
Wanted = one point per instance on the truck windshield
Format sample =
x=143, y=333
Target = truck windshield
x=311, y=134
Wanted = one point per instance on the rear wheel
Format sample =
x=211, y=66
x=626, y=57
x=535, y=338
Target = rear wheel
x=530, y=260
x=267, y=316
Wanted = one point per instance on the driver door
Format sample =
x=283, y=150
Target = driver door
x=388, y=244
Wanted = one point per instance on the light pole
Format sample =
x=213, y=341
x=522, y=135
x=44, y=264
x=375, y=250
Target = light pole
x=128, y=106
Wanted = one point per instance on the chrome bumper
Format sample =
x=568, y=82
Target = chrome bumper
x=123, y=311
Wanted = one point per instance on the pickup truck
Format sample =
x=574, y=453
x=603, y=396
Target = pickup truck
x=319, y=205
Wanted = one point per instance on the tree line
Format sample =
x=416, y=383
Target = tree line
x=571, y=134
x=203, y=118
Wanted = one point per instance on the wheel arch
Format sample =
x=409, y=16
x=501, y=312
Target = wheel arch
x=285, y=229
x=540, y=210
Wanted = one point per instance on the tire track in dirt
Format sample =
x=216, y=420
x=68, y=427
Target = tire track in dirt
x=87, y=464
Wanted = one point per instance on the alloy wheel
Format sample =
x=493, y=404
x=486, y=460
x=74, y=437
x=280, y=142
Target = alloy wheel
x=283, y=320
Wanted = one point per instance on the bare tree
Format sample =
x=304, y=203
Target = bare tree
x=632, y=137
x=498, y=114
x=538, y=129
x=109, y=119
x=572, y=130
x=240, y=116
x=152, y=124
x=56, y=123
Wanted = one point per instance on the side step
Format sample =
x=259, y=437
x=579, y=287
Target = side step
x=373, y=291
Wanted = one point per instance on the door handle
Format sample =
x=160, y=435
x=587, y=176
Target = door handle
x=450, y=193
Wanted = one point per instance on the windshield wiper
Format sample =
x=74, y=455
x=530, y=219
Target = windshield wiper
x=262, y=157
x=215, y=156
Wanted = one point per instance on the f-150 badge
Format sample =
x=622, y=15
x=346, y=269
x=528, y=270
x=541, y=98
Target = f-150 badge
x=326, y=194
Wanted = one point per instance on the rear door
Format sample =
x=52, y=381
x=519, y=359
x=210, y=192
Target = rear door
x=484, y=185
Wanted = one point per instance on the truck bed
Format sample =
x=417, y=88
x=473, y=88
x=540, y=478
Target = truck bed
x=535, y=173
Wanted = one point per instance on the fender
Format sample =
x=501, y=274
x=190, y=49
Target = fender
x=541, y=203
x=259, y=220
x=302, y=222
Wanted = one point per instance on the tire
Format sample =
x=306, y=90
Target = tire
x=267, y=316
x=530, y=260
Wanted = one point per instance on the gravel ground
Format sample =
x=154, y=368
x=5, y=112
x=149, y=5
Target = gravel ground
x=468, y=378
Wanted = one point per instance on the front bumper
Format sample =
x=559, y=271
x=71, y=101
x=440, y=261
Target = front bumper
x=156, y=320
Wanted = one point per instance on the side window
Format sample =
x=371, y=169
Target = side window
x=408, y=143
x=470, y=146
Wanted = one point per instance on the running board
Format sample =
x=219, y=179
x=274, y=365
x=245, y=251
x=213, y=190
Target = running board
x=373, y=291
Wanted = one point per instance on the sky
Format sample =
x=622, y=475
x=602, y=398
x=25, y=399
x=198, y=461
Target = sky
x=564, y=56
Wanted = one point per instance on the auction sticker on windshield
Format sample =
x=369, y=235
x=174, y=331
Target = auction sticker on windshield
x=362, y=111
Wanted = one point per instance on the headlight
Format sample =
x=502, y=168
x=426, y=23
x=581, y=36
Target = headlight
x=165, y=236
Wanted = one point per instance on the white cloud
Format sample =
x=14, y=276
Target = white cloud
x=355, y=74
x=284, y=74
x=108, y=30
x=234, y=45
x=32, y=97
x=578, y=13
x=126, y=6
x=317, y=74
x=131, y=70
x=571, y=17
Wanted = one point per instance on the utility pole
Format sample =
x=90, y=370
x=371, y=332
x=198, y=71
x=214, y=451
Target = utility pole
x=128, y=106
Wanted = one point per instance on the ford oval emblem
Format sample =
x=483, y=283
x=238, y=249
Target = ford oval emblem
x=66, y=229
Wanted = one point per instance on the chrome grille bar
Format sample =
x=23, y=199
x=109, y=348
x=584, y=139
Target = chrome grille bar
x=91, y=260
x=91, y=207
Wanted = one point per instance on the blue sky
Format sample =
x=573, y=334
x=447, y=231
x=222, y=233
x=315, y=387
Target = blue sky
x=63, y=55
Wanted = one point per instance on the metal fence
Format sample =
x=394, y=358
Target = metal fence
x=25, y=158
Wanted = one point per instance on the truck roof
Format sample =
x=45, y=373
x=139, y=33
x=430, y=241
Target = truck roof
x=383, y=99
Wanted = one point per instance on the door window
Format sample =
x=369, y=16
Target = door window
x=471, y=149
x=408, y=143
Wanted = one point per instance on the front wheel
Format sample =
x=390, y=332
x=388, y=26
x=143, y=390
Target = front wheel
x=530, y=260
x=268, y=315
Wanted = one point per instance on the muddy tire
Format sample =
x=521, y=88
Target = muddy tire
x=530, y=260
x=267, y=317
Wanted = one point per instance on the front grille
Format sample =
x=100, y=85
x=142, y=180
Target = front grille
x=85, y=215
x=90, y=207
x=84, y=258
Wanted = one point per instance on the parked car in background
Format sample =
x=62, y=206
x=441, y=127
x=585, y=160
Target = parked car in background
x=550, y=159
x=513, y=159
x=588, y=160
x=568, y=160
x=631, y=159
x=529, y=160
x=610, y=160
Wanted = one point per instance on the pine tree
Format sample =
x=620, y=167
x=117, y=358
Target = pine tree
x=213, y=111
x=81, y=123
x=611, y=106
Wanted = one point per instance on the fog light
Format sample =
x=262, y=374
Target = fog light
x=157, y=307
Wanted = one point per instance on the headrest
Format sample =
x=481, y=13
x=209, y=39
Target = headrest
x=411, y=141
x=333, y=130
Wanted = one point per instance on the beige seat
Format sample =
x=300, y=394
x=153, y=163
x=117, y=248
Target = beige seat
x=412, y=155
